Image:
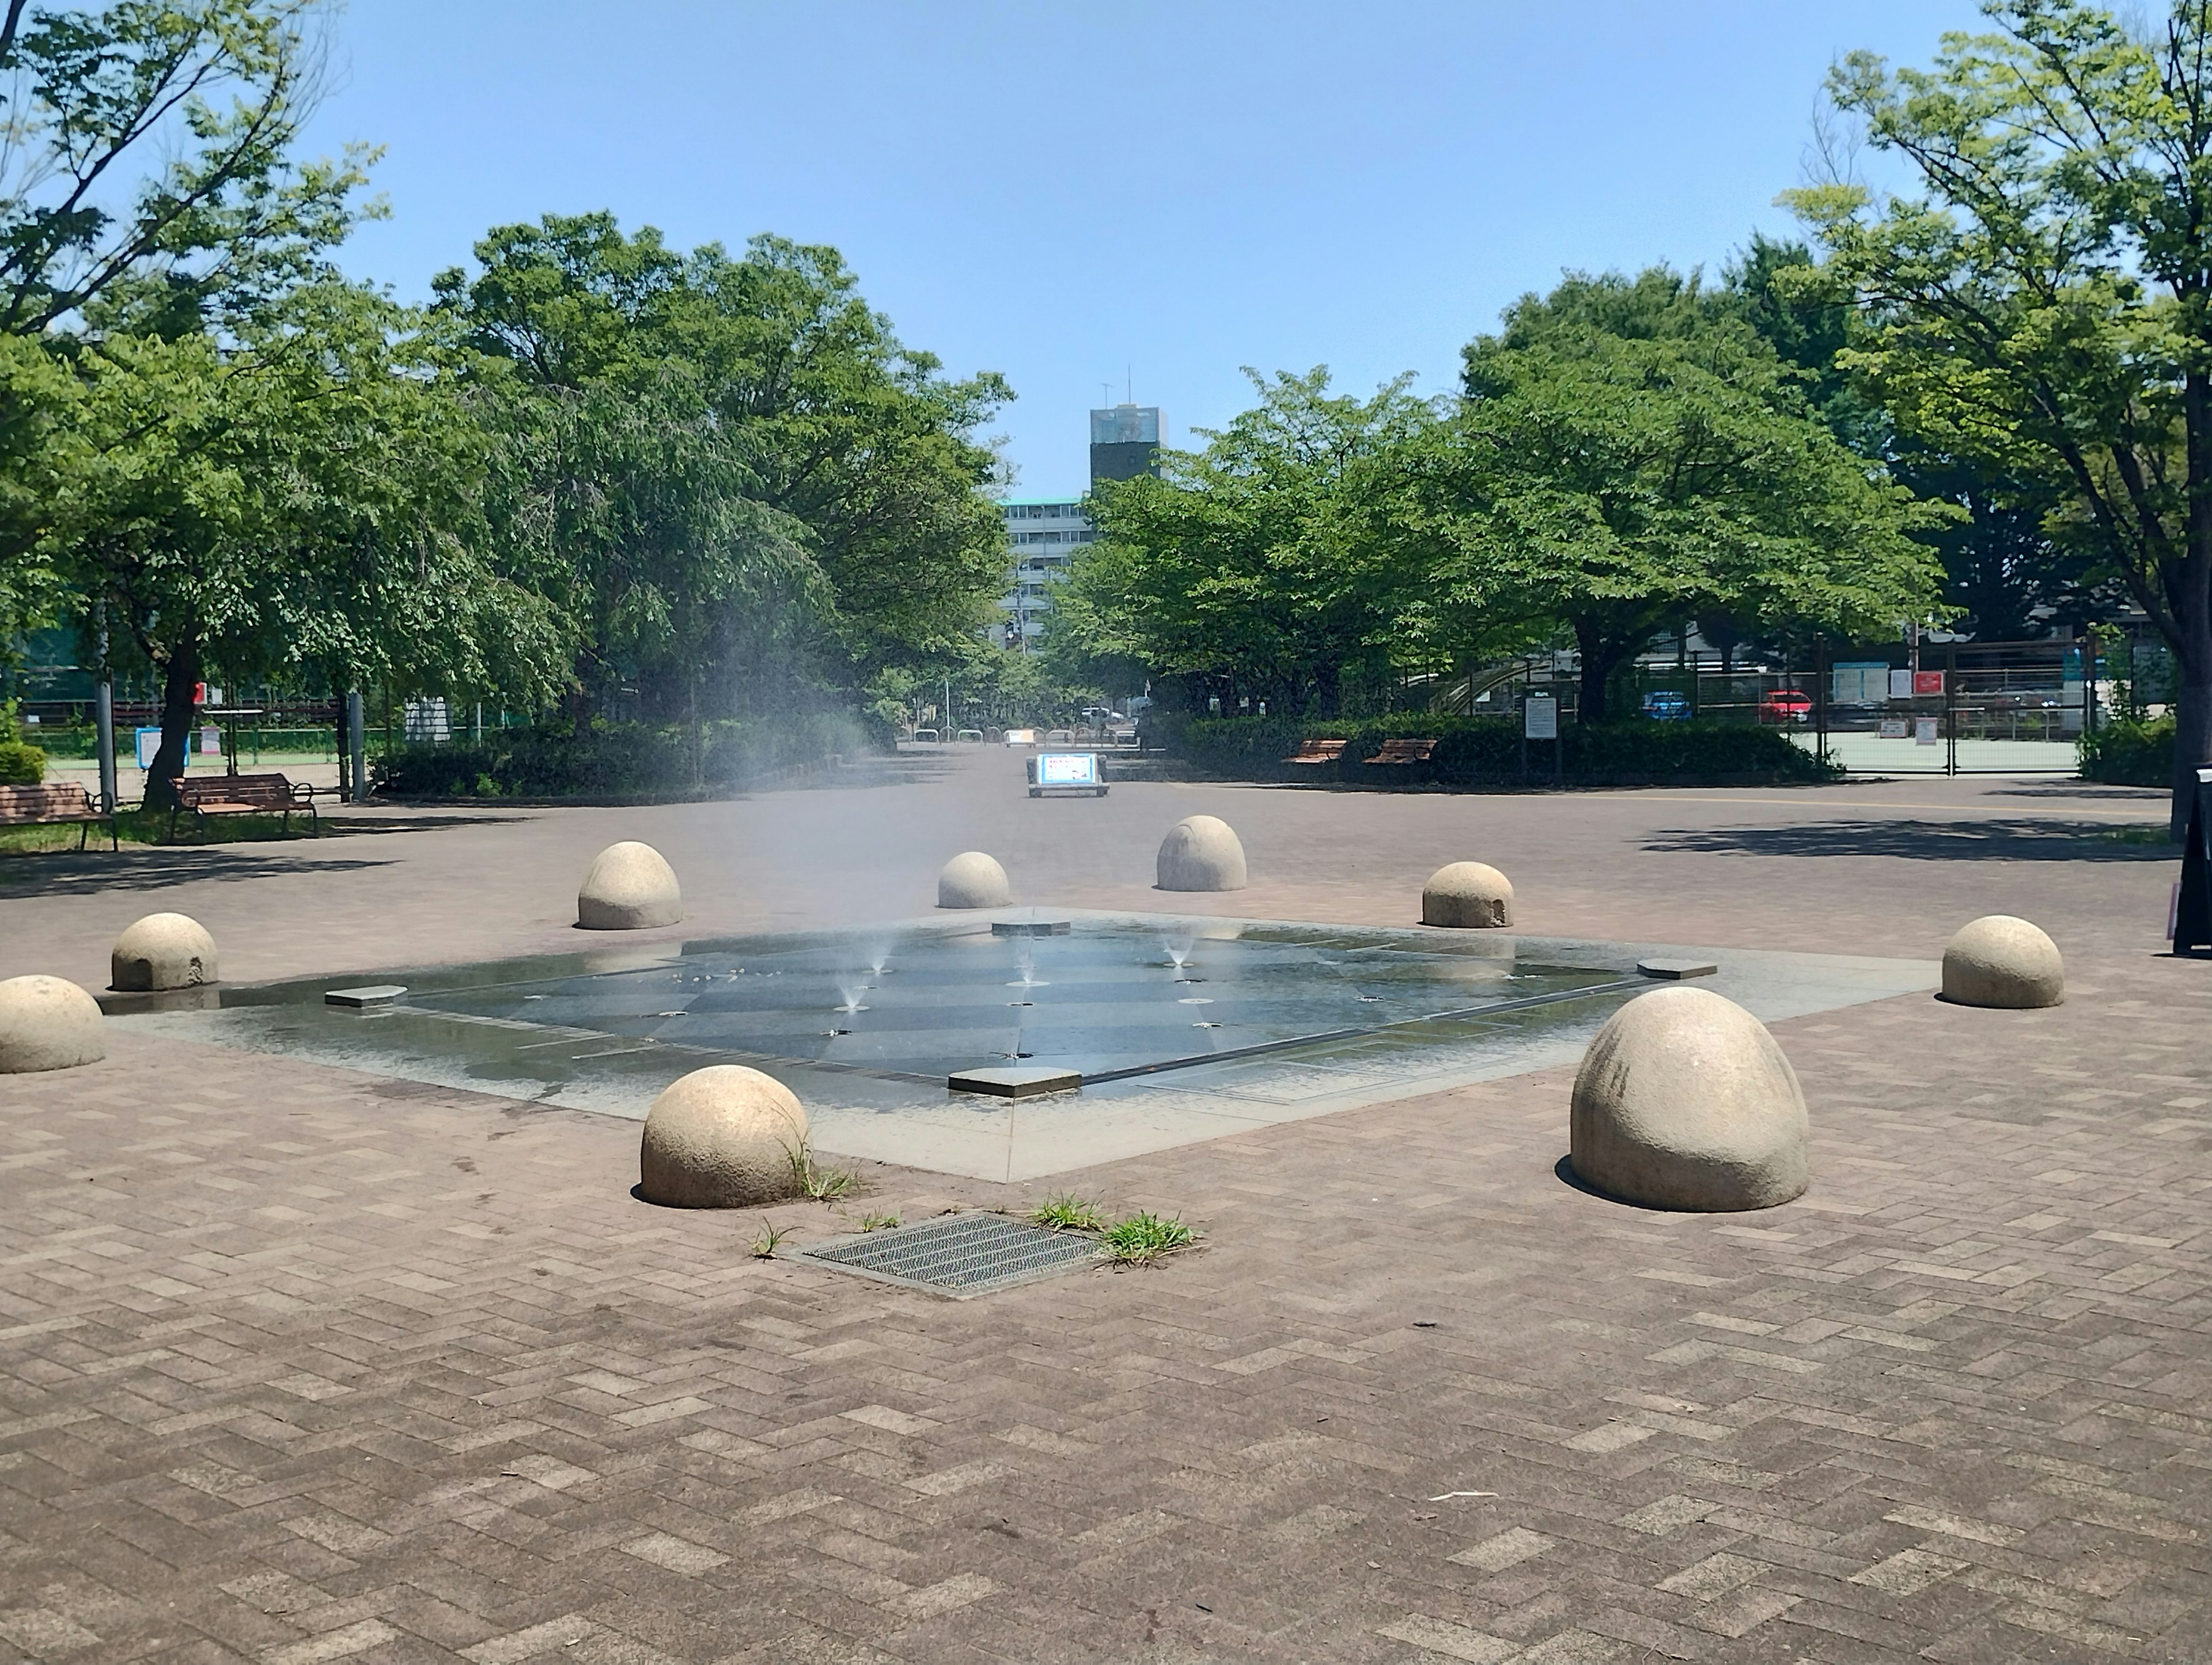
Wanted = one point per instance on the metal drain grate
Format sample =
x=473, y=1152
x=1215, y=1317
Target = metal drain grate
x=956, y=1254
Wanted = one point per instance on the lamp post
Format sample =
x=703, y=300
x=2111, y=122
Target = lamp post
x=105, y=710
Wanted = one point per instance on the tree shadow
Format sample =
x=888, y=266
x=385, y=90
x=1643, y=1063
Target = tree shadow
x=1925, y=840
x=157, y=868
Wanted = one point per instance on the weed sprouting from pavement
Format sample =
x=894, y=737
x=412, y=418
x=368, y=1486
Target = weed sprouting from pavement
x=822, y=1184
x=1141, y=1239
x=1066, y=1211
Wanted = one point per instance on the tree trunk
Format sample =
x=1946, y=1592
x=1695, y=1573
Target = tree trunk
x=1329, y=688
x=1598, y=658
x=698, y=738
x=2192, y=612
x=2192, y=746
x=180, y=679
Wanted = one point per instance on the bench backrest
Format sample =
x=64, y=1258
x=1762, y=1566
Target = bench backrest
x=1316, y=751
x=21, y=805
x=273, y=790
x=1404, y=751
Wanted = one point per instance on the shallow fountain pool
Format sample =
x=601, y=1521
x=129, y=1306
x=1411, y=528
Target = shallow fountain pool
x=1182, y=1029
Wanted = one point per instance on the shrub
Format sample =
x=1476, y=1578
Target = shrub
x=2126, y=754
x=22, y=763
x=1487, y=751
x=614, y=760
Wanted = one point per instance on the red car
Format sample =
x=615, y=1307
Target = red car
x=1785, y=705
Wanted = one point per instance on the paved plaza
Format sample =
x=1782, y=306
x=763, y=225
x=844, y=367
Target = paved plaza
x=302, y=1365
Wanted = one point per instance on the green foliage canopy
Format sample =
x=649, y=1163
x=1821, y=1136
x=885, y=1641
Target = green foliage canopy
x=2045, y=304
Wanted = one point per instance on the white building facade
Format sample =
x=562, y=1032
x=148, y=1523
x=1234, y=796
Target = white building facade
x=1042, y=535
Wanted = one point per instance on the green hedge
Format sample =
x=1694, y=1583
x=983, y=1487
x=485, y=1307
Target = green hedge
x=21, y=764
x=1486, y=751
x=2124, y=753
x=614, y=760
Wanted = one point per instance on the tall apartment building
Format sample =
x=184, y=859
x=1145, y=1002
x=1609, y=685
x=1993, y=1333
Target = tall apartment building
x=1043, y=533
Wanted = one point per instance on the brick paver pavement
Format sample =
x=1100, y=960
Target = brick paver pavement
x=300, y=1366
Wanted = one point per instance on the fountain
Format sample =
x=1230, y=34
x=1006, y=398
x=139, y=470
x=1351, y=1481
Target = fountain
x=1312, y=1017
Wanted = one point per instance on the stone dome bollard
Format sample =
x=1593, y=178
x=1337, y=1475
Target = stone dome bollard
x=630, y=887
x=1200, y=853
x=1685, y=1100
x=2000, y=961
x=46, y=1024
x=1467, y=896
x=161, y=950
x=723, y=1137
x=973, y=879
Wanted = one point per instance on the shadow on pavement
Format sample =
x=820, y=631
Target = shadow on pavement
x=160, y=868
x=1926, y=840
x=2094, y=790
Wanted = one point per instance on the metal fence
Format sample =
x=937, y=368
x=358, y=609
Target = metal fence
x=2003, y=708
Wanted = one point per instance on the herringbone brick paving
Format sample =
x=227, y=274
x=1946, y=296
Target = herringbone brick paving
x=300, y=1366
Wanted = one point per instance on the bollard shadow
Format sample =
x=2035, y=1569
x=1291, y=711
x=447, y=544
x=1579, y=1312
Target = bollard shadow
x=1995, y=840
x=1564, y=1170
x=100, y=872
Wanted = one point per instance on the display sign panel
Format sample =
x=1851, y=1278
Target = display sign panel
x=1924, y=731
x=1540, y=718
x=1859, y=684
x=1066, y=769
x=1927, y=681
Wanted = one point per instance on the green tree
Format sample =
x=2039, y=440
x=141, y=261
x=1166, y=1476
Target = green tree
x=1267, y=561
x=736, y=457
x=301, y=498
x=2012, y=568
x=204, y=100
x=2045, y=305
x=1629, y=454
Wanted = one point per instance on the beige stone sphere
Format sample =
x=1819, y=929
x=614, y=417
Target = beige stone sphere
x=46, y=1024
x=1685, y=1100
x=162, y=951
x=631, y=887
x=973, y=879
x=1467, y=896
x=1200, y=853
x=723, y=1137
x=2000, y=961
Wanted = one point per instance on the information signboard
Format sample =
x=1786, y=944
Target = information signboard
x=1859, y=684
x=1066, y=771
x=1924, y=731
x=1927, y=681
x=1540, y=718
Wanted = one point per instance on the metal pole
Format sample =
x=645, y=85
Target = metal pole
x=1951, y=709
x=1820, y=696
x=106, y=718
x=357, y=739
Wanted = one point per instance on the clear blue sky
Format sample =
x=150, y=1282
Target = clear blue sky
x=1069, y=194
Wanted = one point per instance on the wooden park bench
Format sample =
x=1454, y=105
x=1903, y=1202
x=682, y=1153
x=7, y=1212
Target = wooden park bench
x=57, y=805
x=1405, y=751
x=242, y=794
x=1316, y=751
